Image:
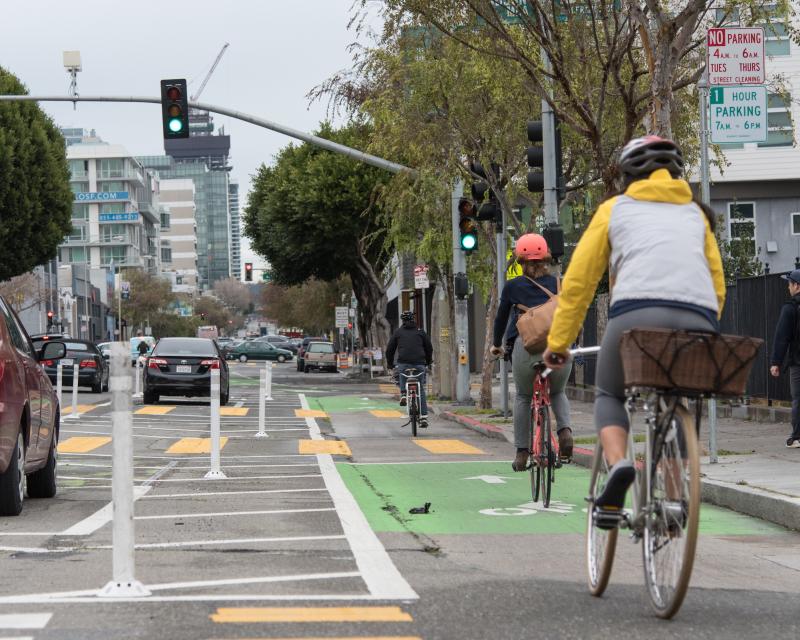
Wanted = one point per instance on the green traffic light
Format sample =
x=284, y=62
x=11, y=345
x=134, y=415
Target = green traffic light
x=468, y=241
x=175, y=125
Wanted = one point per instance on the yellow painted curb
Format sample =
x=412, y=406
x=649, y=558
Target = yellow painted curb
x=82, y=408
x=334, y=447
x=195, y=445
x=447, y=446
x=311, y=614
x=82, y=444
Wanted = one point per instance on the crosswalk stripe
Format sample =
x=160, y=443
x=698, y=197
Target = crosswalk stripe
x=233, y=411
x=310, y=413
x=334, y=447
x=339, y=638
x=390, y=413
x=82, y=444
x=195, y=445
x=24, y=620
x=159, y=410
x=447, y=446
x=311, y=614
x=82, y=408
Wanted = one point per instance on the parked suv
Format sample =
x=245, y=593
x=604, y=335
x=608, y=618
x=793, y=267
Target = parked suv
x=303, y=346
x=321, y=356
x=29, y=415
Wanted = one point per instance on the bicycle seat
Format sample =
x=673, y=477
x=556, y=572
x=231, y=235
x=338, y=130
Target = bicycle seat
x=411, y=371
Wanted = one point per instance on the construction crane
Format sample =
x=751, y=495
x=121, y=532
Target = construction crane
x=210, y=71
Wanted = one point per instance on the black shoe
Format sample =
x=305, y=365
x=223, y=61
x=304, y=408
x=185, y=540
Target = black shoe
x=403, y=401
x=620, y=478
x=520, y=462
x=793, y=443
x=423, y=423
x=565, y=444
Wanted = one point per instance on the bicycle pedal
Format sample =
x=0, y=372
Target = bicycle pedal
x=608, y=519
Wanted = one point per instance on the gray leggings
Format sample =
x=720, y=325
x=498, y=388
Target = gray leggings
x=522, y=364
x=609, y=403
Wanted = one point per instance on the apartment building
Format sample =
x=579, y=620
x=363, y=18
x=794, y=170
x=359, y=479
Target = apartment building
x=179, y=234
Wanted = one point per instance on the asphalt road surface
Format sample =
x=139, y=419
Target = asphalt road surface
x=310, y=535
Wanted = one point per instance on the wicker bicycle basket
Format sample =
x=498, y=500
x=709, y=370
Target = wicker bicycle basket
x=687, y=361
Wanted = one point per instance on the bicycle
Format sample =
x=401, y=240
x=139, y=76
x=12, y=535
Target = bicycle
x=665, y=494
x=545, y=456
x=413, y=394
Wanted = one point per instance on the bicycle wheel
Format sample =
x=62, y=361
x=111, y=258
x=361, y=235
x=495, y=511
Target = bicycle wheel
x=535, y=469
x=413, y=412
x=600, y=543
x=673, y=505
x=548, y=457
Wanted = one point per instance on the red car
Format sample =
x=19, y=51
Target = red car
x=29, y=416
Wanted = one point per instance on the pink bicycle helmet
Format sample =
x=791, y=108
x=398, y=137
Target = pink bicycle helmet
x=531, y=246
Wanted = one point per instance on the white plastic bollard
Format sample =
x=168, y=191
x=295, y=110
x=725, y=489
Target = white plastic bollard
x=712, y=431
x=74, y=413
x=215, y=473
x=138, y=394
x=59, y=382
x=262, y=404
x=124, y=583
x=268, y=383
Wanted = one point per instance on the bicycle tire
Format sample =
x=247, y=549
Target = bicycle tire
x=414, y=413
x=536, y=472
x=664, y=532
x=600, y=543
x=548, y=457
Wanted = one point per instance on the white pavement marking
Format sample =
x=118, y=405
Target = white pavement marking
x=32, y=534
x=25, y=620
x=184, y=516
x=100, y=518
x=379, y=572
x=229, y=493
x=205, y=543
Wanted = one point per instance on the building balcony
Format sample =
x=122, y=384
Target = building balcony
x=128, y=175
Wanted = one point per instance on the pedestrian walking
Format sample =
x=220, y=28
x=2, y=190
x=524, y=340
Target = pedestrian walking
x=787, y=350
x=414, y=350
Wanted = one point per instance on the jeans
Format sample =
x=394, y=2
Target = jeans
x=522, y=364
x=794, y=388
x=401, y=382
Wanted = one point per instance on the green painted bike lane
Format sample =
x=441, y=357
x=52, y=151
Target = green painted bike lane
x=487, y=498
x=351, y=403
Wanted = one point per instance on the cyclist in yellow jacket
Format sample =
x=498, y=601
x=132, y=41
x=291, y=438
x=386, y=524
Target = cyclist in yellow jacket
x=664, y=268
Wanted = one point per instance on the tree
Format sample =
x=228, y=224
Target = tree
x=234, y=293
x=149, y=297
x=35, y=196
x=315, y=214
x=212, y=312
x=309, y=306
x=24, y=291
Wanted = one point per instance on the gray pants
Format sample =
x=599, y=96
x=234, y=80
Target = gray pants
x=522, y=364
x=609, y=403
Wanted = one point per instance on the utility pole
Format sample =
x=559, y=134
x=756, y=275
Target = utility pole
x=501, y=283
x=549, y=143
x=461, y=327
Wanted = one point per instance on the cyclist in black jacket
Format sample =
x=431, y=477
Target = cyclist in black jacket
x=787, y=339
x=413, y=349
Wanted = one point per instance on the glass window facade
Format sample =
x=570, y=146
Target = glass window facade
x=109, y=186
x=742, y=224
x=780, y=131
x=113, y=207
x=80, y=211
x=118, y=254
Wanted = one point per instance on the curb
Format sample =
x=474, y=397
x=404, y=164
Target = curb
x=752, y=501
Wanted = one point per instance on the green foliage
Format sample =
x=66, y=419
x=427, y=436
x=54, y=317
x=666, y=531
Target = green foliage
x=170, y=324
x=215, y=312
x=314, y=213
x=35, y=196
x=309, y=306
x=149, y=296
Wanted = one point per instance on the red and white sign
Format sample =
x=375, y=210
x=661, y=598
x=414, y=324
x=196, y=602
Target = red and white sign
x=421, y=277
x=735, y=55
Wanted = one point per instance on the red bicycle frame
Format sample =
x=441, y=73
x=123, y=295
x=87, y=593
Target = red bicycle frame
x=541, y=398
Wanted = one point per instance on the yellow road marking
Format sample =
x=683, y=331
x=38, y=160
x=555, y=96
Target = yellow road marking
x=233, y=411
x=154, y=410
x=82, y=408
x=195, y=445
x=391, y=413
x=82, y=444
x=343, y=638
x=388, y=388
x=447, y=446
x=324, y=446
x=310, y=413
x=311, y=614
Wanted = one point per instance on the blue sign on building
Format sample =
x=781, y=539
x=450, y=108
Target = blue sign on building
x=118, y=217
x=101, y=196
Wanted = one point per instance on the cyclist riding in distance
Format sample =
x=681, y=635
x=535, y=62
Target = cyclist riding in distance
x=414, y=350
x=528, y=290
x=664, y=269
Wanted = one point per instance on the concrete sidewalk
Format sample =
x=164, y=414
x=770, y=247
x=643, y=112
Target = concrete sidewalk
x=756, y=473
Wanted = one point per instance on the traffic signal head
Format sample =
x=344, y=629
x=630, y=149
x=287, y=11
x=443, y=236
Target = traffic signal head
x=469, y=233
x=248, y=271
x=174, y=109
x=535, y=156
x=49, y=315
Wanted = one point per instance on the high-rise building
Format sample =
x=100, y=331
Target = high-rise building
x=236, y=230
x=178, y=234
x=204, y=158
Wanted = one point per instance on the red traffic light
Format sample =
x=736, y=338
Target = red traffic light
x=173, y=93
x=248, y=266
x=49, y=314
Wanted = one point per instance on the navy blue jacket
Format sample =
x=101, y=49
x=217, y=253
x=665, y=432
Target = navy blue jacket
x=522, y=291
x=785, y=338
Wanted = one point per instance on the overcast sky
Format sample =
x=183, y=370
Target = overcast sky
x=279, y=50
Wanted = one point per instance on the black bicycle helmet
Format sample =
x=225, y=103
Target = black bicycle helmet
x=641, y=156
x=407, y=316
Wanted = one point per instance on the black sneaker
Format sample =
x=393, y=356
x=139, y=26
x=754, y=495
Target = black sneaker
x=620, y=478
x=793, y=443
x=423, y=423
x=403, y=401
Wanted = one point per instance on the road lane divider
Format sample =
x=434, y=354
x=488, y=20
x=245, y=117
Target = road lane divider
x=215, y=471
x=234, y=411
x=154, y=410
x=448, y=447
x=262, y=402
x=82, y=444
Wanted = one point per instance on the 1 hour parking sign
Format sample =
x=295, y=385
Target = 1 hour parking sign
x=738, y=114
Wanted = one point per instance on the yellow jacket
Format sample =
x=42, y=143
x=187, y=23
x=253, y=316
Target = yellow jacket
x=657, y=245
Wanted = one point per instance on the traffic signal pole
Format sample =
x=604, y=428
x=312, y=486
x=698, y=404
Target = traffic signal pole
x=549, y=143
x=461, y=325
